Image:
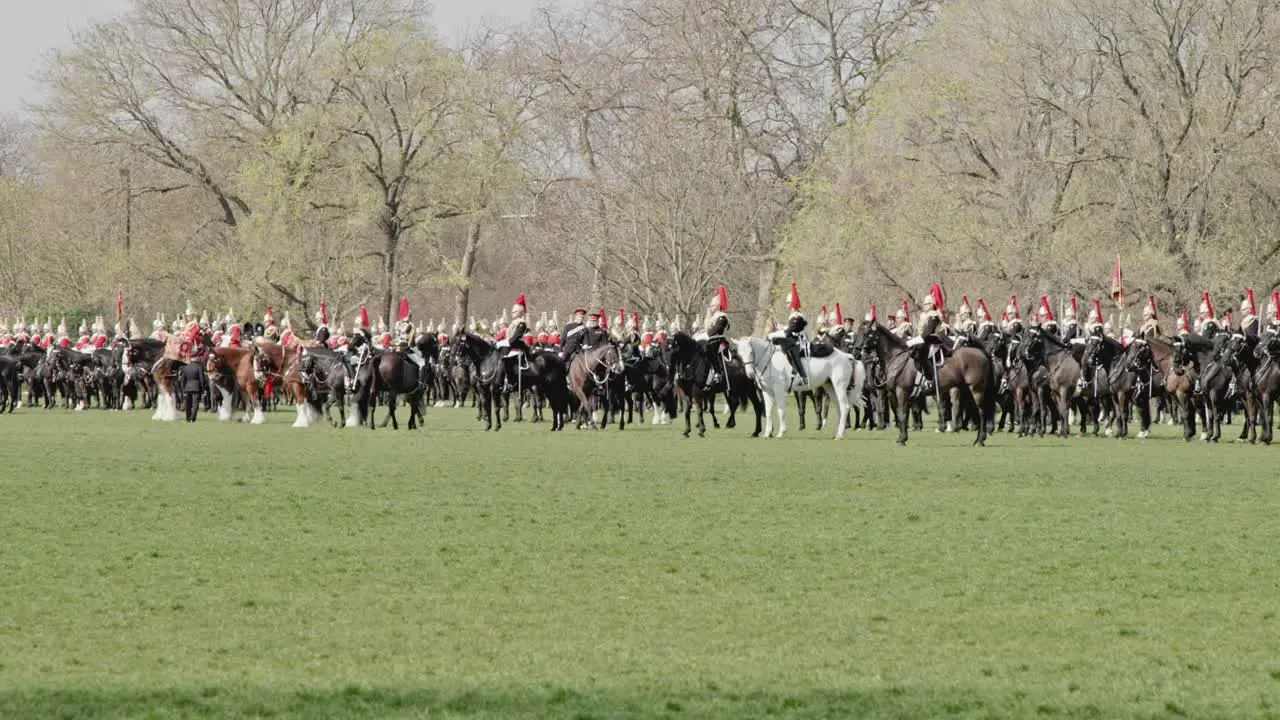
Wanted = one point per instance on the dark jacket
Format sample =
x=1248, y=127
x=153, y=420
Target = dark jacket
x=192, y=377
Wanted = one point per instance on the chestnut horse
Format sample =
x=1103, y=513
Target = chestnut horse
x=288, y=375
x=239, y=370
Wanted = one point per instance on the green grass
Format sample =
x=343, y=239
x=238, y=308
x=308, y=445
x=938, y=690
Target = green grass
x=167, y=571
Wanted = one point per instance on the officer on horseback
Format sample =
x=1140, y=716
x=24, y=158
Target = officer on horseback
x=791, y=337
x=717, y=325
x=965, y=324
x=1048, y=323
x=571, y=337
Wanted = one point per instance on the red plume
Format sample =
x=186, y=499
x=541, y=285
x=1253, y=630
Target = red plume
x=839, y=315
x=1184, y=324
x=1208, y=304
x=520, y=301
x=635, y=318
x=364, y=317
x=1004, y=316
x=873, y=312
x=1017, y=312
x=936, y=291
x=604, y=320
x=1117, y=284
x=1253, y=306
x=986, y=314
x=1097, y=309
x=723, y=298
x=271, y=317
x=404, y=308
x=1044, y=304
x=1152, y=299
x=794, y=303
x=1075, y=310
x=1226, y=318
x=823, y=312
x=622, y=318
x=1275, y=301
x=906, y=309
x=324, y=314
x=120, y=306
x=964, y=299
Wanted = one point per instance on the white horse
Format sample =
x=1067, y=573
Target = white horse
x=769, y=367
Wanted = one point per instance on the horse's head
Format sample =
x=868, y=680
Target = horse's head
x=261, y=363
x=1032, y=346
x=610, y=357
x=1140, y=358
x=1092, y=350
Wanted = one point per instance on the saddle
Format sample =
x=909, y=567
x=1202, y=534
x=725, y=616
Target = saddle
x=818, y=349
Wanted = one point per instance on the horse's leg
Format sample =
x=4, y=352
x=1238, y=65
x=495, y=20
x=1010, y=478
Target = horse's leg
x=780, y=409
x=1188, y=415
x=698, y=399
x=903, y=398
x=842, y=406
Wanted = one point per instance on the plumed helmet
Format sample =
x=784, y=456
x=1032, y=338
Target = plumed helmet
x=84, y=326
x=965, y=308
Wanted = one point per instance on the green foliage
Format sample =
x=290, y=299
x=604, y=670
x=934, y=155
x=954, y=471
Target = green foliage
x=179, y=571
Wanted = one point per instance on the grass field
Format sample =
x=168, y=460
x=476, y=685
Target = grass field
x=163, y=570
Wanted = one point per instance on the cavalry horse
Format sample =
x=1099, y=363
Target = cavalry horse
x=1156, y=358
x=967, y=368
x=1106, y=377
x=1062, y=372
x=769, y=367
x=595, y=376
x=239, y=371
x=390, y=373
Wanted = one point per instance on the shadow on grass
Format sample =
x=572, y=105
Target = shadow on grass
x=364, y=702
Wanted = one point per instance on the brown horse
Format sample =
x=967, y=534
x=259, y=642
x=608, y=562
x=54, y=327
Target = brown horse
x=239, y=371
x=597, y=374
x=288, y=360
x=967, y=369
x=1179, y=380
x=1062, y=372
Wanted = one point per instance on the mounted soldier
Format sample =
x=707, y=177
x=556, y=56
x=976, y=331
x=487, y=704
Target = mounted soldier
x=572, y=335
x=631, y=333
x=1150, y=328
x=405, y=331
x=1095, y=327
x=1206, y=324
x=322, y=325
x=6, y=337
x=269, y=329
x=902, y=327
x=554, y=337
x=986, y=325
x=965, y=324
x=791, y=337
x=717, y=324
x=83, y=342
x=1071, y=326
x=1012, y=318
x=932, y=327
x=1273, y=313
x=49, y=338
x=514, y=341
x=1047, y=322
x=62, y=339
x=849, y=328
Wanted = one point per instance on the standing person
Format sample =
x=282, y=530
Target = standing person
x=193, y=386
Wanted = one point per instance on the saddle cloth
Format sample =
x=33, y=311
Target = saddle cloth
x=177, y=348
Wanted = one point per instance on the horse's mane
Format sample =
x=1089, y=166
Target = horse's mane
x=888, y=337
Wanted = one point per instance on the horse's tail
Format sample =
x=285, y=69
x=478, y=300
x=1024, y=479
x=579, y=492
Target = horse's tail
x=989, y=393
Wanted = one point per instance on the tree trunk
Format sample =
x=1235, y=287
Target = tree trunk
x=462, y=300
x=390, y=251
x=766, y=277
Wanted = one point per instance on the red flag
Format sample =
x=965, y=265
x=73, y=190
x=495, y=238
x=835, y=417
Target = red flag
x=1117, y=285
x=120, y=306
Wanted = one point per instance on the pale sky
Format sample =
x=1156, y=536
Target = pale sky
x=34, y=28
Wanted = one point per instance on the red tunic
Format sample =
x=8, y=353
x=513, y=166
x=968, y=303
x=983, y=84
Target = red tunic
x=235, y=336
x=64, y=342
x=99, y=341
